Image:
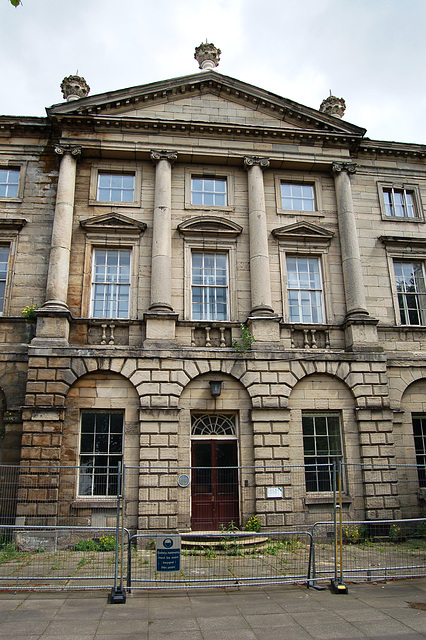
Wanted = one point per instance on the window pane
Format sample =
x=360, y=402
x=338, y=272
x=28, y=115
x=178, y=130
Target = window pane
x=321, y=445
x=114, y=187
x=304, y=285
x=208, y=191
x=9, y=183
x=109, y=299
x=410, y=284
x=297, y=197
x=209, y=286
x=102, y=434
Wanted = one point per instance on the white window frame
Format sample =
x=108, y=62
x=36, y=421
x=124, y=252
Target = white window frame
x=108, y=286
x=311, y=181
x=412, y=189
x=6, y=279
x=418, y=294
x=115, y=169
x=21, y=168
x=206, y=246
x=312, y=291
x=323, y=467
x=119, y=456
x=320, y=255
x=209, y=174
x=93, y=242
x=210, y=289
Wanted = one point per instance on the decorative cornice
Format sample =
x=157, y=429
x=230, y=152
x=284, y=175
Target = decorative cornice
x=348, y=167
x=256, y=161
x=170, y=156
x=62, y=149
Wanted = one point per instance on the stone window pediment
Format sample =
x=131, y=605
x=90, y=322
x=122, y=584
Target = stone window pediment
x=113, y=223
x=209, y=226
x=303, y=232
x=12, y=224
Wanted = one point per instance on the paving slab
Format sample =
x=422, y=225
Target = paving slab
x=376, y=611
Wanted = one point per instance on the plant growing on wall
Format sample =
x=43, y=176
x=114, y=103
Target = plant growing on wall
x=244, y=343
x=28, y=312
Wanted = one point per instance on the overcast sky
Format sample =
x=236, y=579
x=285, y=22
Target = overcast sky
x=370, y=52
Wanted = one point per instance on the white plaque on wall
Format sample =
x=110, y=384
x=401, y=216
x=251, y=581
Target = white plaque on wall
x=274, y=492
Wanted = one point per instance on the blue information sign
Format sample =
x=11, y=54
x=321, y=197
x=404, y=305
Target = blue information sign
x=168, y=553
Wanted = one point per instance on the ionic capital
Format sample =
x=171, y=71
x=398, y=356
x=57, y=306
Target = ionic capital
x=252, y=161
x=62, y=149
x=338, y=167
x=170, y=156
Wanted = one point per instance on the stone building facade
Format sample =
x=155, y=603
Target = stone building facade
x=146, y=226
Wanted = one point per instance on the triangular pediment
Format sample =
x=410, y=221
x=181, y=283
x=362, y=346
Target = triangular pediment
x=303, y=232
x=209, y=226
x=200, y=98
x=113, y=223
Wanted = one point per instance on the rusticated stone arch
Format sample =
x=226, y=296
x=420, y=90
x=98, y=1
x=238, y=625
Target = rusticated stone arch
x=323, y=393
x=101, y=390
x=413, y=404
x=400, y=379
x=234, y=399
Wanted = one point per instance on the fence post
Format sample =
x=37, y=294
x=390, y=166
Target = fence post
x=118, y=592
x=337, y=584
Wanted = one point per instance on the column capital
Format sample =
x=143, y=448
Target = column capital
x=349, y=167
x=62, y=149
x=170, y=156
x=252, y=161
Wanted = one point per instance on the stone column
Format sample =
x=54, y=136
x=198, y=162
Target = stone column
x=351, y=258
x=59, y=261
x=263, y=323
x=52, y=320
x=260, y=279
x=361, y=332
x=160, y=319
x=161, y=270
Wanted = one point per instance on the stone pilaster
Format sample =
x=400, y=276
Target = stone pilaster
x=360, y=328
x=160, y=319
x=53, y=321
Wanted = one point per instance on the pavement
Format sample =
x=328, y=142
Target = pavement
x=382, y=610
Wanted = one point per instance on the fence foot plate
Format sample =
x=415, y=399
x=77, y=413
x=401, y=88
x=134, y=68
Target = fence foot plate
x=117, y=595
x=338, y=587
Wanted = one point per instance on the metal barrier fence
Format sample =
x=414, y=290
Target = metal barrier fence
x=371, y=550
x=224, y=559
x=61, y=527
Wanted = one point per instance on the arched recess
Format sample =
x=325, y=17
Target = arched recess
x=322, y=411
x=101, y=419
x=410, y=445
x=214, y=433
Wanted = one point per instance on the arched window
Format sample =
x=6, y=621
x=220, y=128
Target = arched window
x=211, y=424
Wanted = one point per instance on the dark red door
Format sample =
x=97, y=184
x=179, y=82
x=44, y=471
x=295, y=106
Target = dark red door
x=214, y=484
